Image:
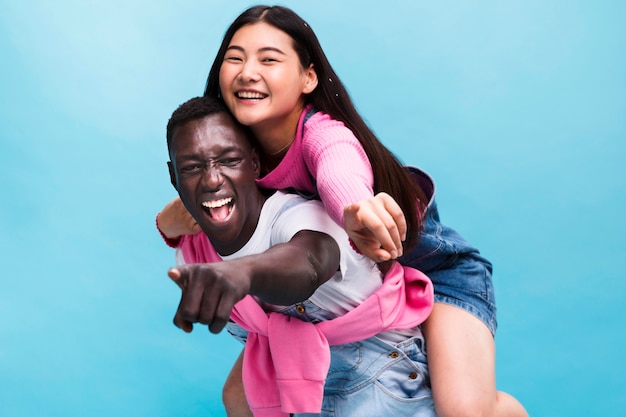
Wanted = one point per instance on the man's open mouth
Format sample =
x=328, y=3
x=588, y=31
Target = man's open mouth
x=219, y=209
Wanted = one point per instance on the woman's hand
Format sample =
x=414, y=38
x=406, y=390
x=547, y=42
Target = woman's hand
x=175, y=221
x=376, y=226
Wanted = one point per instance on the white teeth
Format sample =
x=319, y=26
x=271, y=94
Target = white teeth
x=250, y=95
x=216, y=203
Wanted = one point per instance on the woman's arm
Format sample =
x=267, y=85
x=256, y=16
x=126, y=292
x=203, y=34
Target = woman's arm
x=344, y=180
x=175, y=221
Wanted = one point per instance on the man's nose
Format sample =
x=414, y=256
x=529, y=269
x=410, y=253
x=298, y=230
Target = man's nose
x=213, y=178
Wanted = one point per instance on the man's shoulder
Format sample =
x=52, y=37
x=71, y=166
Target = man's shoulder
x=292, y=209
x=282, y=201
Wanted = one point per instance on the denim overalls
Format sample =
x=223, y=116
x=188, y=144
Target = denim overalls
x=460, y=275
x=370, y=377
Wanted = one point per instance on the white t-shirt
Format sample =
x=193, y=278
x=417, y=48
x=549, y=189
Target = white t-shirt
x=282, y=216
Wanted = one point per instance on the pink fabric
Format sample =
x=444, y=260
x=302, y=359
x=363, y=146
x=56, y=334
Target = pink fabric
x=327, y=152
x=198, y=249
x=324, y=151
x=280, y=379
x=325, y=157
x=171, y=242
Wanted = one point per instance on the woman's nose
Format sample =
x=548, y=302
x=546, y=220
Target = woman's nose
x=249, y=71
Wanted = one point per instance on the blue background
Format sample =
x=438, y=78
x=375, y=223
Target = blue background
x=517, y=108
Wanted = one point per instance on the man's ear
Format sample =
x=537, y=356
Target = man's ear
x=170, y=166
x=311, y=81
x=256, y=162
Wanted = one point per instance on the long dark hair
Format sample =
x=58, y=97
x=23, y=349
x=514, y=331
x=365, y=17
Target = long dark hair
x=332, y=98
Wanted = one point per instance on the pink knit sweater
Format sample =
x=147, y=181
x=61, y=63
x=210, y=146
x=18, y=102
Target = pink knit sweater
x=326, y=158
x=328, y=152
x=286, y=360
x=279, y=379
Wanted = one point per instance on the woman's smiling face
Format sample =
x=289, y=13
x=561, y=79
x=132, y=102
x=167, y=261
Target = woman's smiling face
x=262, y=80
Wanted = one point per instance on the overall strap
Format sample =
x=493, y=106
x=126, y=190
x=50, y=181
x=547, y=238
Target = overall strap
x=308, y=196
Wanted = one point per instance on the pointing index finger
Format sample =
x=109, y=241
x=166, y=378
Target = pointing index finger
x=175, y=274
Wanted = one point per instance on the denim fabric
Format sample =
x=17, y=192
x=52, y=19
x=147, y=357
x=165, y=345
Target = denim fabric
x=370, y=377
x=374, y=378
x=460, y=275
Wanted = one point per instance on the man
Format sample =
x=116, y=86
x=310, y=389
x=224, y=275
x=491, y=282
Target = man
x=277, y=251
x=213, y=166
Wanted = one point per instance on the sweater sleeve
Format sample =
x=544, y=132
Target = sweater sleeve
x=171, y=242
x=338, y=163
x=197, y=249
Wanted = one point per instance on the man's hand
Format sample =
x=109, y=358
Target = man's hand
x=174, y=220
x=376, y=226
x=209, y=293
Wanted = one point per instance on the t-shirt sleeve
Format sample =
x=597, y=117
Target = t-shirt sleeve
x=311, y=215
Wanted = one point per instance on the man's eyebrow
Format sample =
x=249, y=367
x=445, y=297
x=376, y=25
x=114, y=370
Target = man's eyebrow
x=196, y=156
x=229, y=149
x=182, y=157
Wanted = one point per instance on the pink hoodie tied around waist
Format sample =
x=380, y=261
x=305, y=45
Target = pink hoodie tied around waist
x=280, y=379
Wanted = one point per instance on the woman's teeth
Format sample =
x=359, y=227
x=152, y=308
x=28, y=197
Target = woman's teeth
x=250, y=95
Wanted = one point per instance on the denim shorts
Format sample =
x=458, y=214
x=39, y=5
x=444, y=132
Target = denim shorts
x=370, y=377
x=375, y=378
x=461, y=276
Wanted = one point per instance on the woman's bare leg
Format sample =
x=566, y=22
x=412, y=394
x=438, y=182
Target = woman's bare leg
x=461, y=359
x=233, y=395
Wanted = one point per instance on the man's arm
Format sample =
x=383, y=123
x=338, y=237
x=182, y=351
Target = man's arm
x=284, y=274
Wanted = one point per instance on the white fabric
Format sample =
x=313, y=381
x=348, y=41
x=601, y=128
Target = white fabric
x=283, y=215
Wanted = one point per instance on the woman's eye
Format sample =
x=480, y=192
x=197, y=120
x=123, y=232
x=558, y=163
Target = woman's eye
x=232, y=58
